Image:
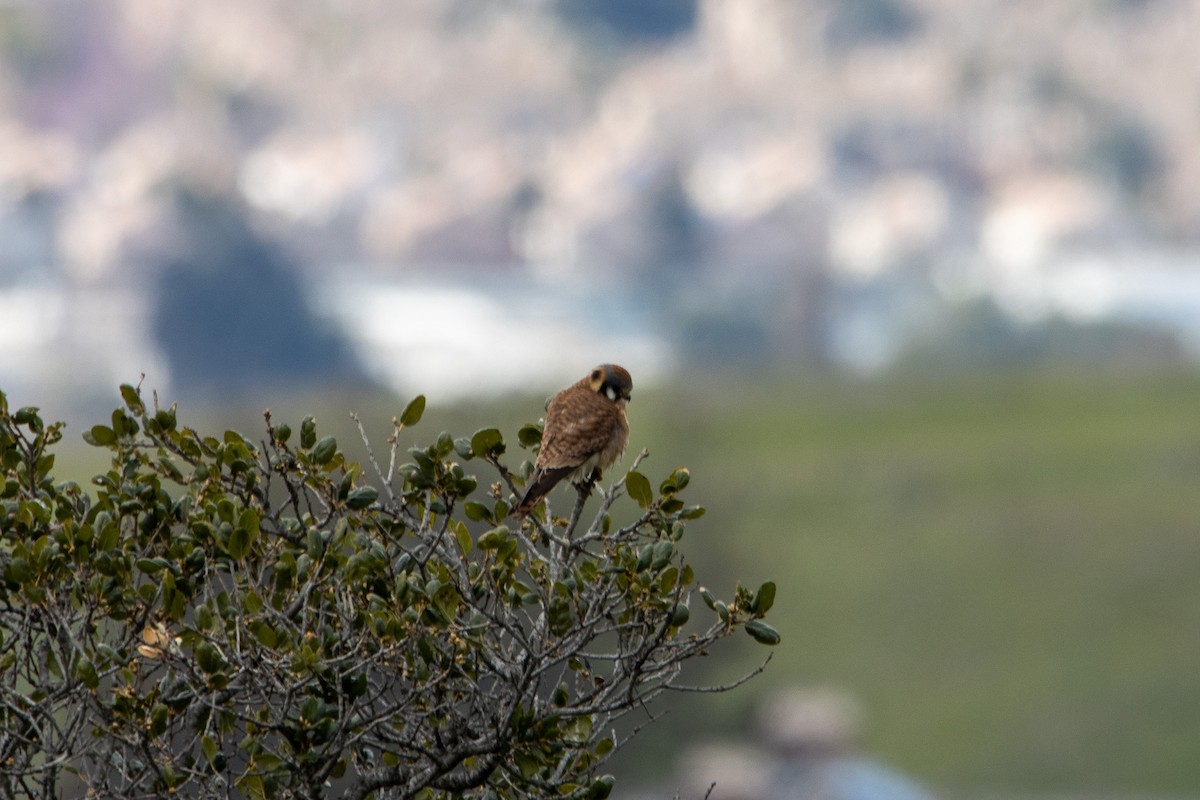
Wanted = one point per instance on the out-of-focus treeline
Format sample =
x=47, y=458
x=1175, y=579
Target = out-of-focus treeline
x=819, y=181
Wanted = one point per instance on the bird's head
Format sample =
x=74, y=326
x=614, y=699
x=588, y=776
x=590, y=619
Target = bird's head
x=611, y=381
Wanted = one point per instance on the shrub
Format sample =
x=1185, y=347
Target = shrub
x=223, y=617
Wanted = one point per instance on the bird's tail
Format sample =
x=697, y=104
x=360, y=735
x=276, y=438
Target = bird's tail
x=540, y=484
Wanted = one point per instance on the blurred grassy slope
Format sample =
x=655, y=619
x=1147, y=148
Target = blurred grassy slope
x=1004, y=569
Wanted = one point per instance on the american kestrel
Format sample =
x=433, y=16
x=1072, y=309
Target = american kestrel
x=585, y=432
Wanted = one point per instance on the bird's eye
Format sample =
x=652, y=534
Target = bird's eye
x=596, y=374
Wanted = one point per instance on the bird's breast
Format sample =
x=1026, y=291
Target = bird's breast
x=614, y=448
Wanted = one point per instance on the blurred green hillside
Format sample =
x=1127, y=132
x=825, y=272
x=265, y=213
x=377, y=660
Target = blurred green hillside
x=1002, y=568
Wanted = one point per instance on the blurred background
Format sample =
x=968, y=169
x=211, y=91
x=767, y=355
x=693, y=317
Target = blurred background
x=912, y=287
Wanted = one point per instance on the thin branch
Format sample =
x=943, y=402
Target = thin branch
x=725, y=687
x=384, y=479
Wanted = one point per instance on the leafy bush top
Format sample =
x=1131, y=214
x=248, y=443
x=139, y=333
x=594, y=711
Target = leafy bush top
x=224, y=617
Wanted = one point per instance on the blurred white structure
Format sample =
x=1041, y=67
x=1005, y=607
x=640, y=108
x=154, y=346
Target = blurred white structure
x=459, y=338
x=805, y=750
x=453, y=338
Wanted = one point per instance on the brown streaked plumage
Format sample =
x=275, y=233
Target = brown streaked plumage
x=585, y=432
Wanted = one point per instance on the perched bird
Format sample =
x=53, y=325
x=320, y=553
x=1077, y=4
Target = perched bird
x=585, y=433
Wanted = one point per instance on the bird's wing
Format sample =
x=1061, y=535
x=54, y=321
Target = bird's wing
x=578, y=425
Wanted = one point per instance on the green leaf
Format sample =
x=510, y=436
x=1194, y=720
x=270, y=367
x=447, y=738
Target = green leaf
x=488, y=441
x=308, y=432
x=159, y=714
x=245, y=534
x=763, y=599
x=19, y=571
x=233, y=437
x=166, y=418
x=526, y=763
x=464, y=539
x=132, y=400
x=100, y=436
x=578, y=731
x=252, y=603
x=762, y=632
x=663, y=550
x=323, y=451
x=601, y=787
x=676, y=481
x=476, y=511
x=560, y=617
x=151, y=566
x=85, y=670
x=265, y=634
x=529, y=436
x=639, y=489
x=208, y=658
x=493, y=538
x=209, y=747
x=123, y=424
x=413, y=411
x=315, y=544
x=362, y=497
x=239, y=542
x=171, y=468
x=204, y=617
x=251, y=785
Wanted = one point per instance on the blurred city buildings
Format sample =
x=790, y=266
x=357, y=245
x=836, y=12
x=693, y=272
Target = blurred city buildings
x=812, y=181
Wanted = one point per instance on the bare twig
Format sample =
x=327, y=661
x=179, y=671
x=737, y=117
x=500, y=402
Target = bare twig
x=384, y=479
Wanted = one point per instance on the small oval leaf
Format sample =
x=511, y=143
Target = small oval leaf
x=476, y=511
x=100, y=436
x=132, y=400
x=638, y=486
x=762, y=632
x=529, y=436
x=663, y=550
x=308, y=432
x=208, y=658
x=322, y=452
x=601, y=788
x=85, y=670
x=413, y=411
x=763, y=599
x=209, y=747
x=488, y=441
x=362, y=497
x=493, y=538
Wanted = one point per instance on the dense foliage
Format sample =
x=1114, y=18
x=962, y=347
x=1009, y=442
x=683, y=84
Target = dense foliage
x=223, y=617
